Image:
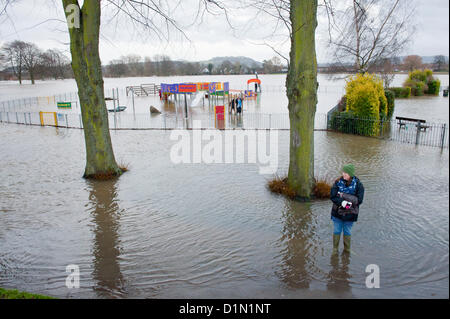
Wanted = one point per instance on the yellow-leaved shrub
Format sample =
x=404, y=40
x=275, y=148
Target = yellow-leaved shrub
x=366, y=100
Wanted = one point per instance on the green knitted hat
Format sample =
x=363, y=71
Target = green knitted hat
x=349, y=169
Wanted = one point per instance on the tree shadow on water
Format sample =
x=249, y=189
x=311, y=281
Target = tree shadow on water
x=105, y=212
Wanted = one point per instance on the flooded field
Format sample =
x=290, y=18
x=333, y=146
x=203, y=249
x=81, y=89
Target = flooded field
x=272, y=101
x=166, y=230
x=213, y=230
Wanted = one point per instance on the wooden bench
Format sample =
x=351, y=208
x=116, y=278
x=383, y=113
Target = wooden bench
x=419, y=123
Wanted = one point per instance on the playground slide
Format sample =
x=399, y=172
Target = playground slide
x=197, y=101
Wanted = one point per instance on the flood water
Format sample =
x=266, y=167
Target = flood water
x=166, y=230
x=273, y=100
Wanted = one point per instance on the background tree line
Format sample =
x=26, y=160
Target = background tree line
x=162, y=65
x=407, y=64
x=24, y=60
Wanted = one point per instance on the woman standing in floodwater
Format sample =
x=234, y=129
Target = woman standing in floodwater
x=347, y=195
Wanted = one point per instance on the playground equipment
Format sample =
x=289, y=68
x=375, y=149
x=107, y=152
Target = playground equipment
x=118, y=109
x=143, y=89
x=197, y=91
x=257, y=84
x=116, y=102
x=219, y=117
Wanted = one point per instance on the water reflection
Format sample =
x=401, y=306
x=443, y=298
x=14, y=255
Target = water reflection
x=236, y=120
x=338, y=277
x=300, y=245
x=169, y=107
x=105, y=214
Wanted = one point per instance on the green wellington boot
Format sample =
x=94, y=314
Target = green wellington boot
x=336, y=239
x=347, y=240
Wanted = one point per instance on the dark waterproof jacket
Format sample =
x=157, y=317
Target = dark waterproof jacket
x=337, y=210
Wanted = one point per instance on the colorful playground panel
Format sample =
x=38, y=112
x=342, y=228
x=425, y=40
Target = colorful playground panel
x=219, y=111
x=211, y=87
x=187, y=88
x=254, y=81
x=219, y=116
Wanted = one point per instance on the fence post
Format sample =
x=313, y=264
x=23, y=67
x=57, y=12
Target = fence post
x=17, y=118
x=67, y=122
x=81, y=122
x=270, y=121
x=25, y=118
x=443, y=135
x=29, y=117
x=418, y=133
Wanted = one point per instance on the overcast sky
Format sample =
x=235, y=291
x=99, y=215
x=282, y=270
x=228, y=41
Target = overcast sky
x=42, y=22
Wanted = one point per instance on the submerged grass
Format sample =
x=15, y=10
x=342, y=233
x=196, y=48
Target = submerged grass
x=123, y=167
x=322, y=188
x=279, y=185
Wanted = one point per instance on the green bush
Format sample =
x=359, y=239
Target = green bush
x=420, y=89
x=343, y=122
x=390, y=97
x=383, y=106
x=418, y=75
x=401, y=92
x=433, y=87
x=422, y=82
x=348, y=122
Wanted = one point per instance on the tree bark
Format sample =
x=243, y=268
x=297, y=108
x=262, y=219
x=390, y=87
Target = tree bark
x=302, y=87
x=86, y=65
x=358, y=38
x=32, y=76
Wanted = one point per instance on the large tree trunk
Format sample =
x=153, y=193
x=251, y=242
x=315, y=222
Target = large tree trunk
x=301, y=87
x=86, y=65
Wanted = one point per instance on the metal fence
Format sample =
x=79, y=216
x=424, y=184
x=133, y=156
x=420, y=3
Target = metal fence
x=121, y=120
x=429, y=134
x=411, y=132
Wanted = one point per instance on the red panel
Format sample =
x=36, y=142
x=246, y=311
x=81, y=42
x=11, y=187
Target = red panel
x=187, y=88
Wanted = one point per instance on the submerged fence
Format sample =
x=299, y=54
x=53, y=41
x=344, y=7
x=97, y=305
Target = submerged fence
x=411, y=132
x=429, y=134
x=130, y=121
x=43, y=111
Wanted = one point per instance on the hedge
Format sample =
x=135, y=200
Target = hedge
x=401, y=92
x=390, y=97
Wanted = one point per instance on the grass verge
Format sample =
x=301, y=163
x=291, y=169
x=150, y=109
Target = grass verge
x=15, y=294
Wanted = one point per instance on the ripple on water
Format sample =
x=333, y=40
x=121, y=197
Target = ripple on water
x=165, y=230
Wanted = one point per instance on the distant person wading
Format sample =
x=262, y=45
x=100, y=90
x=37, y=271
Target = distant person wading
x=347, y=195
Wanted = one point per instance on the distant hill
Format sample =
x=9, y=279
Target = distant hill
x=249, y=62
